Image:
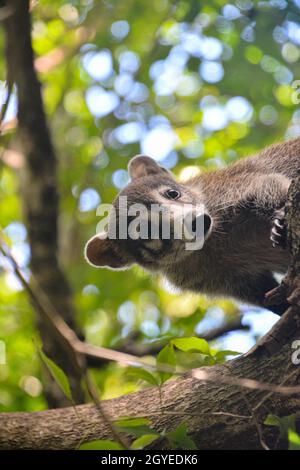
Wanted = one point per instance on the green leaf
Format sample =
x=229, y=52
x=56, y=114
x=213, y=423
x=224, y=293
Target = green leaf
x=272, y=420
x=188, y=324
x=143, y=374
x=134, y=422
x=294, y=440
x=192, y=344
x=166, y=357
x=220, y=356
x=180, y=439
x=101, y=445
x=144, y=441
x=207, y=360
x=135, y=426
x=58, y=374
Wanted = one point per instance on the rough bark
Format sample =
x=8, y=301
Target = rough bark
x=39, y=188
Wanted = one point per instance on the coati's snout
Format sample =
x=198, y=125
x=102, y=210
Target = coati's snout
x=170, y=221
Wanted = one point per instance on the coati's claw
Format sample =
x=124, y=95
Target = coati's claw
x=279, y=230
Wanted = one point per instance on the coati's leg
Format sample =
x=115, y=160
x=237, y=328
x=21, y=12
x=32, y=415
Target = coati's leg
x=279, y=229
x=267, y=197
x=253, y=289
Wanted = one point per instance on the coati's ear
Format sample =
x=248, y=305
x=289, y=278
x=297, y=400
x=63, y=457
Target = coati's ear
x=141, y=165
x=100, y=251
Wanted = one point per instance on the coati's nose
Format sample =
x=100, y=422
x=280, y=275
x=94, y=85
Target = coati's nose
x=201, y=220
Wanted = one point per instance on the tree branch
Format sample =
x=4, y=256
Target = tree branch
x=214, y=413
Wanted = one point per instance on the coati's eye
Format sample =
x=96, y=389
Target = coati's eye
x=172, y=194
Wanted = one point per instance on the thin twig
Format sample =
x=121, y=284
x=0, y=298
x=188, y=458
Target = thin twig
x=94, y=395
x=189, y=413
x=266, y=397
x=256, y=422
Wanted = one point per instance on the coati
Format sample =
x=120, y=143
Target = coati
x=243, y=205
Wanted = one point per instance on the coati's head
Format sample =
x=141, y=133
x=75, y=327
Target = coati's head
x=155, y=188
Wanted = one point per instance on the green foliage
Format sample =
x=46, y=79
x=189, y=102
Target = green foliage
x=192, y=345
x=161, y=40
x=286, y=424
x=287, y=429
x=101, y=445
x=134, y=426
x=145, y=436
x=144, y=441
x=58, y=374
x=143, y=374
x=220, y=356
x=294, y=440
x=166, y=358
x=179, y=438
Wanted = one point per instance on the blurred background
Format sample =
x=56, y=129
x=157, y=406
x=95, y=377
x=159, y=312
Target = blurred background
x=194, y=84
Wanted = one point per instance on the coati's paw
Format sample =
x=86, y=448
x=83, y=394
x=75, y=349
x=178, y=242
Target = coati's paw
x=279, y=230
